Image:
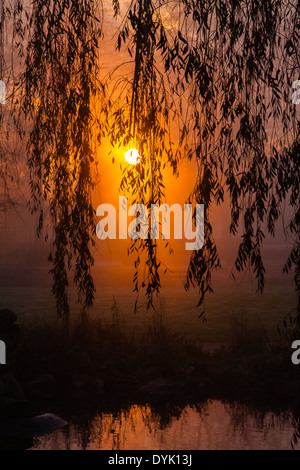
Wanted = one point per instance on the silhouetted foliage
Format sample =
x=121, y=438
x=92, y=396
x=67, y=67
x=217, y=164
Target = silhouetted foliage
x=230, y=66
x=214, y=87
x=60, y=88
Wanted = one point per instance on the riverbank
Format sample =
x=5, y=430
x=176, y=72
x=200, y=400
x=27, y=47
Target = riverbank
x=97, y=360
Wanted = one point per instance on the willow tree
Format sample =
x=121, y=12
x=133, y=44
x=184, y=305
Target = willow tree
x=215, y=87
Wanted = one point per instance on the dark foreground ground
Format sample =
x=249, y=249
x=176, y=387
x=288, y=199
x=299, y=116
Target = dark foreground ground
x=96, y=360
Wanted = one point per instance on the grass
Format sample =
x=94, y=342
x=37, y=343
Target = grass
x=36, y=305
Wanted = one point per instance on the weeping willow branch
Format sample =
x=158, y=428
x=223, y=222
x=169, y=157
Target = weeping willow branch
x=61, y=88
x=143, y=121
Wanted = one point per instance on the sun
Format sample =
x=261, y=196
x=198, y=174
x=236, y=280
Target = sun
x=132, y=156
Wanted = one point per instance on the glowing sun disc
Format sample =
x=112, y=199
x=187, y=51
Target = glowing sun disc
x=132, y=156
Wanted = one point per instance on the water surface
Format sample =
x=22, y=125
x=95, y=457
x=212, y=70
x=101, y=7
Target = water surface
x=213, y=425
